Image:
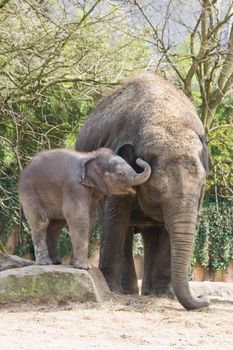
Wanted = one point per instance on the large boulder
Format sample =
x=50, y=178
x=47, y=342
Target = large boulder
x=13, y=261
x=52, y=282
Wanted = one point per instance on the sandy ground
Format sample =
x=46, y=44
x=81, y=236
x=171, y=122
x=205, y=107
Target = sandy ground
x=124, y=322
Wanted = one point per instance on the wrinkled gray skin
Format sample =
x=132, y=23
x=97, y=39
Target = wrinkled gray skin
x=150, y=118
x=62, y=186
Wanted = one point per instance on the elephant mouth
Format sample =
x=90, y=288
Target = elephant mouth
x=123, y=192
x=131, y=191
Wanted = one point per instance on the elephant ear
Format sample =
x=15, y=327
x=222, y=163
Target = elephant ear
x=205, y=157
x=90, y=175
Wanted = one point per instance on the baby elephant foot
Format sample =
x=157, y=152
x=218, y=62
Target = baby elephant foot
x=44, y=261
x=85, y=265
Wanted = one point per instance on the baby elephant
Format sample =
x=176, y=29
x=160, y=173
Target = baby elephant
x=60, y=186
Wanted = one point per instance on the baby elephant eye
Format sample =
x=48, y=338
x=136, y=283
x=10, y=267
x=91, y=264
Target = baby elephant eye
x=119, y=173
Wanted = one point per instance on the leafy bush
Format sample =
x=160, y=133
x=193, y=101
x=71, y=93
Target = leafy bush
x=9, y=213
x=214, y=238
x=221, y=149
x=64, y=246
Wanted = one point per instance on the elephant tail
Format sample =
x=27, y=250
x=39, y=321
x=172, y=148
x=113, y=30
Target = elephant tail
x=21, y=226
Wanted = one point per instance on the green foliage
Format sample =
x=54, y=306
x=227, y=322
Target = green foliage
x=64, y=246
x=221, y=149
x=9, y=212
x=9, y=216
x=96, y=234
x=214, y=238
x=138, y=245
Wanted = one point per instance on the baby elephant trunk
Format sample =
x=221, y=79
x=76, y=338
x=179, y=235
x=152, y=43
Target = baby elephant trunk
x=138, y=179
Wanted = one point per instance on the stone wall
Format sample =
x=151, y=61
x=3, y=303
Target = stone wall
x=201, y=274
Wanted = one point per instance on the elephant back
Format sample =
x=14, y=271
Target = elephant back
x=125, y=115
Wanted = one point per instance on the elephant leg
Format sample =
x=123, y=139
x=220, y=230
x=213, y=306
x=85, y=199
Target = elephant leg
x=150, y=249
x=128, y=274
x=157, y=263
x=53, y=234
x=161, y=270
x=115, y=221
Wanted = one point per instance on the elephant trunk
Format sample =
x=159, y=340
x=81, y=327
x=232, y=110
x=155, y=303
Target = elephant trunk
x=138, y=179
x=181, y=225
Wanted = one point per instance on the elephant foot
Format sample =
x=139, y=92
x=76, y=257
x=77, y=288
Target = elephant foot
x=82, y=265
x=56, y=260
x=130, y=286
x=112, y=279
x=161, y=292
x=130, y=289
x=128, y=292
x=164, y=294
x=115, y=287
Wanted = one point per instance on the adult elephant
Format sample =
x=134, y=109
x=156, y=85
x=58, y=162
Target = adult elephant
x=150, y=118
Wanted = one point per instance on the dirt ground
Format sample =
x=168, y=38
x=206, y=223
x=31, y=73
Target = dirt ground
x=124, y=322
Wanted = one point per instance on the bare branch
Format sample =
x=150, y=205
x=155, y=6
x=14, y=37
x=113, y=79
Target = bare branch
x=224, y=126
x=227, y=68
x=202, y=51
x=88, y=13
x=193, y=34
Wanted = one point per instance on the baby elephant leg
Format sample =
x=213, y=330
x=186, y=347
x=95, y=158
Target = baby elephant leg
x=79, y=227
x=79, y=231
x=53, y=233
x=39, y=234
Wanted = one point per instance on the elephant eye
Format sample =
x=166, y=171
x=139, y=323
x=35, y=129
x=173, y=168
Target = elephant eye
x=119, y=173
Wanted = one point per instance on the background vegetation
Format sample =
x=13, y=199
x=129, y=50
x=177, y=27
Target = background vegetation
x=57, y=58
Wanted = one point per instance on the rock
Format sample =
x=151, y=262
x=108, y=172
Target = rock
x=52, y=282
x=13, y=261
x=219, y=291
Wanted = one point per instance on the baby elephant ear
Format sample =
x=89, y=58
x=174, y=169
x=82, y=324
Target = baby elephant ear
x=94, y=177
x=81, y=172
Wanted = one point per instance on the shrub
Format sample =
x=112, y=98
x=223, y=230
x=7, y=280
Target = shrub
x=214, y=238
